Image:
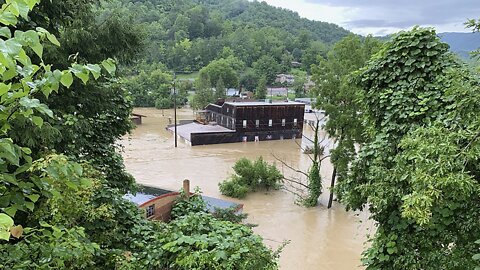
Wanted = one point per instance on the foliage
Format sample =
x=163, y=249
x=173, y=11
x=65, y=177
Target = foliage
x=185, y=206
x=204, y=245
x=250, y=176
x=230, y=214
x=314, y=178
x=340, y=97
x=59, y=206
x=202, y=98
x=267, y=67
x=220, y=89
x=418, y=171
x=261, y=90
x=226, y=69
x=148, y=87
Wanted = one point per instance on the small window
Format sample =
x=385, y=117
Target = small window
x=257, y=123
x=228, y=110
x=270, y=122
x=244, y=123
x=283, y=122
x=295, y=122
x=151, y=210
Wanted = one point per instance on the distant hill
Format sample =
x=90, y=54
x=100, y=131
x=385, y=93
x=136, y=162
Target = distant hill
x=461, y=43
x=260, y=14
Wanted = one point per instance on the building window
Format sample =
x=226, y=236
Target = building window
x=270, y=122
x=244, y=123
x=228, y=110
x=295, y=122
x=257, y=123
x=151, y=210
x=283, y=122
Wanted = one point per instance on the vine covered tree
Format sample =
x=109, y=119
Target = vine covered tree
x=418, y=171
x=261, y=90
x=339, y=97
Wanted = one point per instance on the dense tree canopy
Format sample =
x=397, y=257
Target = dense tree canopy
x=418, y=171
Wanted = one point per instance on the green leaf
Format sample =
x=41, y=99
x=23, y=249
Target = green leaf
x=67, y=79
x=5, y=32
x=38, y=121
x=5, y=221
x=8, y=18
x=33, y=197
x=4, y=88
x=11, y=211
x=53, y=39
x=38, y=49
x=95, y=70
x=109, y=65
x=83, y=76
x=4, y=235
x=30, y=205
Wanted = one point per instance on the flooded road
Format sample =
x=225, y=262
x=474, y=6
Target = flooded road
x=321, y=238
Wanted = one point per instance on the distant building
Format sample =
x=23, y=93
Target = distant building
x=232, y=122
x=136, y=118
x=296, y=64
x=233, y=92
x=285, y=78
x=277, y=91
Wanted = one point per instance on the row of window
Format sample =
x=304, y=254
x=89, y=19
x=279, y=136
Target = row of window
x=270, y=123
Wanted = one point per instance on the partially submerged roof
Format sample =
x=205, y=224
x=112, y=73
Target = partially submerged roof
x=186, y=130
x=146, y=194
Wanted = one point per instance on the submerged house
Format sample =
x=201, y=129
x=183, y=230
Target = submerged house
x=158, y=203
x=231, y=122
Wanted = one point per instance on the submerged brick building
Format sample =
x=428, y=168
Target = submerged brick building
x=231, y=122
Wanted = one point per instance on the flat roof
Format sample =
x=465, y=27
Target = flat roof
x=186, y=130
x=259, y=103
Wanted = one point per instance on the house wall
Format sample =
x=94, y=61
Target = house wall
x=163, y=206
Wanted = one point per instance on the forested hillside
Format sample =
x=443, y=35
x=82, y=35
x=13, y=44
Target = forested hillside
x=253, y=39
x=250, y=29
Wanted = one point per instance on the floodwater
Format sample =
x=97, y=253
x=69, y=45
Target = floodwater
x=320, y=238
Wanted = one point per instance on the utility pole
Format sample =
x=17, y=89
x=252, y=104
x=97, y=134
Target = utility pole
x=175, y=107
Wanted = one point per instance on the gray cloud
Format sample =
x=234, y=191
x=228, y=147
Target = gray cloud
x=405, y=13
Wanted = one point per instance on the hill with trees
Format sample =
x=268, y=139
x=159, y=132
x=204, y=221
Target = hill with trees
x=188, y=35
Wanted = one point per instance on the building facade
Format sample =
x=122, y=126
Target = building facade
x=254, y=121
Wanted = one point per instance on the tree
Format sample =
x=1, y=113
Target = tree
x=267, y=67
x=220, y=89
x=202, y=98
x=261, y=90
x=52, y=207
x=222, y=68
x=416, y=171
x=340, y=98
x=249, y=80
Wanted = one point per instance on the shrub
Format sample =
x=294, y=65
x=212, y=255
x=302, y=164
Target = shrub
x=250, y=176
x=234, y=188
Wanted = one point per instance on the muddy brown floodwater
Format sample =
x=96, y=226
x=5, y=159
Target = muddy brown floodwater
x=321, y=238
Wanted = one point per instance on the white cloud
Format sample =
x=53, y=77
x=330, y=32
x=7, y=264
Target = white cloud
x=380, y=17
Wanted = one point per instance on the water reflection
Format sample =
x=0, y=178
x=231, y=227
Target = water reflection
x=320, y=238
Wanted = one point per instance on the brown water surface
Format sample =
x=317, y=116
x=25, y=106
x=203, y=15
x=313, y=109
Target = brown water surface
x=321, y=238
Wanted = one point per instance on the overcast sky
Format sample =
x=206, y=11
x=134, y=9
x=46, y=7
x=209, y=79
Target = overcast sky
x=381, y=17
